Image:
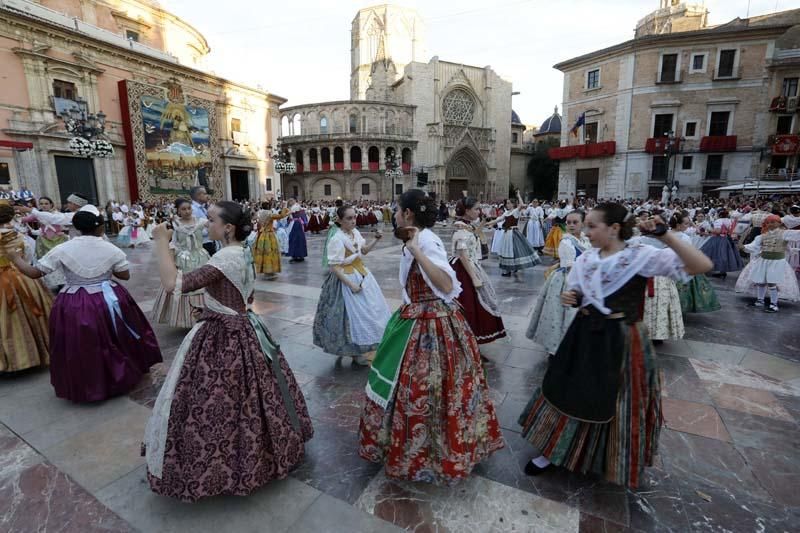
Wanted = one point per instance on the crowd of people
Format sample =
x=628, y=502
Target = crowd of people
x=230, y=415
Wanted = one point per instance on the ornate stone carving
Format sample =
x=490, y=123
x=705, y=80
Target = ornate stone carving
x=458, y=107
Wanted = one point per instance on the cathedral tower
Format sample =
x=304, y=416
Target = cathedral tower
x=384, y=39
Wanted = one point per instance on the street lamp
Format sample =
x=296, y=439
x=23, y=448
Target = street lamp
x=281, y=159
x=87, y=130
x=393, y=170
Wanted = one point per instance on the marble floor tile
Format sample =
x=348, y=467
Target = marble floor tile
x=108, y=451
x=273, y=508
x=335, y=403
x=678, y=347
x=723, y=354
x=694, y=461
x=756, y=431
x=778, y=472
x=680, y=381
x=657, y=504
x=747, y=400
x=595, y=524
x=529, y=358
x=695, y=418
x=714, y=371
x=24, y=383
x=474, y=505
x=331, y=515
x=778, y=368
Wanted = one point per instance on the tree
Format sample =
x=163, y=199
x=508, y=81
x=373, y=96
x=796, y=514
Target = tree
x=542, y=173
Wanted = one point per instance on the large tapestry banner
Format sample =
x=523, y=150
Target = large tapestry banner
x=171, y=141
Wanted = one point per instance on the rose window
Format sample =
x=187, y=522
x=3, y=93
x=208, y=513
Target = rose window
x=458, y=107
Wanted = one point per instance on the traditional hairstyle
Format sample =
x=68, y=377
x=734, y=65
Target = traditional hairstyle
x=6, y=212
x=614, y=213
x=423, y=207
x=340, y=211
x=465, y=204
x=677, y=218
x=87, y=222
x=180, y=201
x=232, y=213
x=578, y=212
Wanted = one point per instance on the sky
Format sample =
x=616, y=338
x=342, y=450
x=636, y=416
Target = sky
x=300, y=49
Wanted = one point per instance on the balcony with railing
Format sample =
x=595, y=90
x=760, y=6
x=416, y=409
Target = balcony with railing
x=583, y=151
x=787, y=145
x=718, y=143
x=660, y=145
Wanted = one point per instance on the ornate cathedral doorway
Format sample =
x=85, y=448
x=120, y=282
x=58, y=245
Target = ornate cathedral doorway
x=466, y=171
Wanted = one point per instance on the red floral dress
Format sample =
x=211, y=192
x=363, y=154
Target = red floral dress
x=440, y=422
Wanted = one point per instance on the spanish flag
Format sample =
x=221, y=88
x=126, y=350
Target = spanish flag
x=578, y=123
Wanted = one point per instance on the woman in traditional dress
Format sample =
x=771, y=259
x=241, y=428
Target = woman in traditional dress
x=428, y=415
x=478, y=299
x=187, y=246
x=792, y=221
x=298, y=249
x=720, y=248
x=282, y=234
x=768, y=269
x=515, y=252
x=230, y=416
x=700, y=232
x=100, y=341
x=314, y=221
x=698, y=295
x=534, y=232
x=557, y=217
x=48, y=235
x=550, y=319
x=497, y=234
x=266, y=252
x=24, y=304
x=599, y=406
x=133, y=232
x=352, y=312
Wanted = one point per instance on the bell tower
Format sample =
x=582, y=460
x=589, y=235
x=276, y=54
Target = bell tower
x=384, y=39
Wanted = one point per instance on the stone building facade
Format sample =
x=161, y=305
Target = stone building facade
x=57, y=52
x=448, y=121
x=712, y=87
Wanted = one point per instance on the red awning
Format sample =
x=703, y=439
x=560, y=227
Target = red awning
x=584, y=151
x=718, y=143
x=16, y=145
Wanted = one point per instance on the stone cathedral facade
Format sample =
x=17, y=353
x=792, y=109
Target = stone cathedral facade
x=447, y=120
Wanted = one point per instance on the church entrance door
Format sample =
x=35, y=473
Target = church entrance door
x=455, y=188
x=466, y=171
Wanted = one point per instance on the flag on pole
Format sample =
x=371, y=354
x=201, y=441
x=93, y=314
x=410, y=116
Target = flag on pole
x=580, y=122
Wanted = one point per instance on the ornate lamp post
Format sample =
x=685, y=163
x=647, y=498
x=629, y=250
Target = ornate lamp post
x=393, y=170
x=281, y=158
x=87, y=130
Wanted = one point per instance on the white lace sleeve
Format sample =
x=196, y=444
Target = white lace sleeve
x=791, y=235
x=335, y=251
x=566, y=253
x=432, y=247
x=664, y=263
x=50, y=261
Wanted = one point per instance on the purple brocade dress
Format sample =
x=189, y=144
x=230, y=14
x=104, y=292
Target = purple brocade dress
x=92, y=356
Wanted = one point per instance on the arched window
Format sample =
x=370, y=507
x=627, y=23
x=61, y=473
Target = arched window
x=298, y=160
x=323, y=125
x=355, y=158
x=373, y=157
x=338, y=158
x=312, y=160
x=296, y=129
x=285, y=132
x=353, y=123
x=326, y=159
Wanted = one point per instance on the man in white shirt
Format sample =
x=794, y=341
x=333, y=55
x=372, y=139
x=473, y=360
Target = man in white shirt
x=199, y=210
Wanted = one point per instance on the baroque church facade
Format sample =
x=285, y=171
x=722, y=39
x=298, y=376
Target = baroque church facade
x=447, y=124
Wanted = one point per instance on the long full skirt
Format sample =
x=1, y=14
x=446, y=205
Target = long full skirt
x=723, y=253
x=698, y=295
x=516, y=253
x=266, y=253
x=550, y=319
x=222, y=423
x=439, y=421
x=93, y=358
x=479, y=305
x=619, y=449
x=534, y=233
x=783, y=275
x=177, y=310
x=662, y=310
x=348, y=324
x=497, y=241
x=24, y=313
x=283, y=239
x=553, y=240
x=297, y=241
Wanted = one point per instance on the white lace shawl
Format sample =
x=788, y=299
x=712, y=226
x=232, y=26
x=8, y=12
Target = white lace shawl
x=86, y=256
x=432, y=248
x=596, y=277
x=337, y=244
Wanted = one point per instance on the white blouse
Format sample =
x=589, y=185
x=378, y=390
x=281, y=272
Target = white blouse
x=431, y=247
x=340, y=241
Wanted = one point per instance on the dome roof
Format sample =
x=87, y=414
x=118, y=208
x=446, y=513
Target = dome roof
x=515, y=118
x=552, y=124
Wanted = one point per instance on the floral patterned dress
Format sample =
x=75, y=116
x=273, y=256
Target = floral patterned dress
x=230, y=416
x=437, y=421
x=266, y=252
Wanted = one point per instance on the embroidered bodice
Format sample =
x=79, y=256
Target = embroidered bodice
x=228, y=279
x=465, y=238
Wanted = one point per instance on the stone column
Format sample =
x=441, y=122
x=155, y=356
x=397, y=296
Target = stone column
x=364, y=157
x=346, y=149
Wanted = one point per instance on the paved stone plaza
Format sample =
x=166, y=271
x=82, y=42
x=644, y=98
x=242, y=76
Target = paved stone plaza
x=729, y=458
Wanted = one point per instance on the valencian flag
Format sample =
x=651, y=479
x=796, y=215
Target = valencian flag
x=580, y=122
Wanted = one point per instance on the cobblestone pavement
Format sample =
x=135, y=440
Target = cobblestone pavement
x=729, y=458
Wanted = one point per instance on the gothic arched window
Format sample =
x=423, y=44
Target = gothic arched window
x=323, y=125
x=458, y=107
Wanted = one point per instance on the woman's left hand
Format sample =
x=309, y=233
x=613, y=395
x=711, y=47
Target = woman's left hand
x=161, y=232
x=647, y=227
